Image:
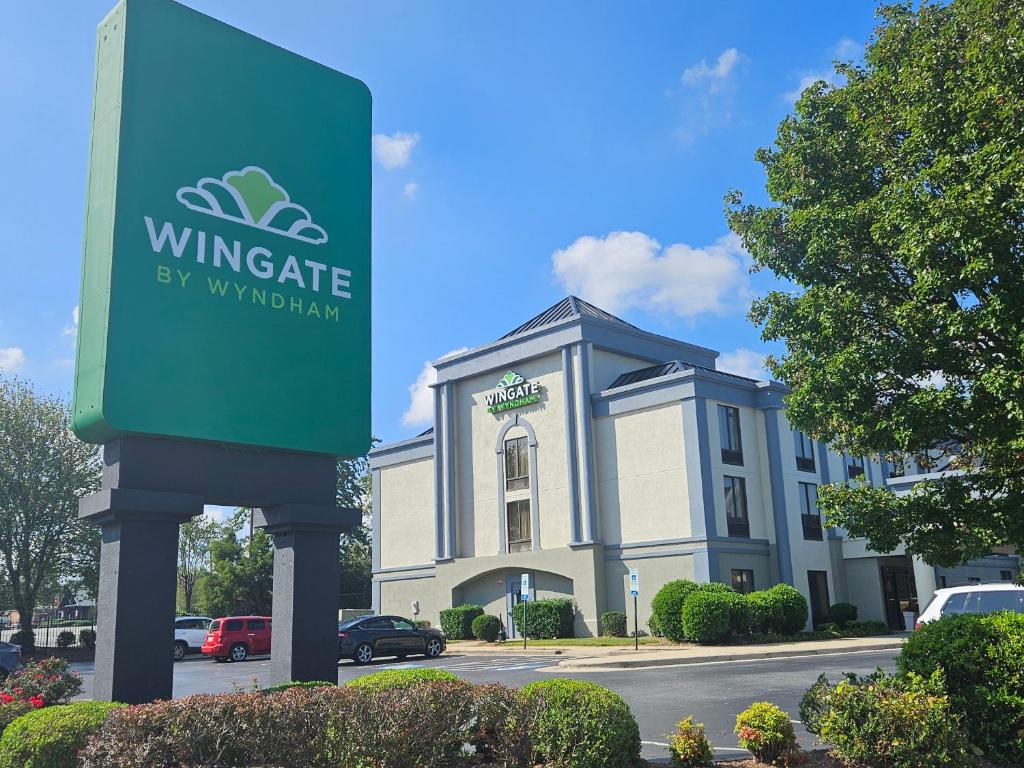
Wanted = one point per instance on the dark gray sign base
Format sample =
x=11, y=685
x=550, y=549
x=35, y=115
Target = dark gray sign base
x=152, y=485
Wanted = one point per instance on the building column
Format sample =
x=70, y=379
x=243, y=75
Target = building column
x=439, y=537
x=304, y=634
x=924, y=581
x=450, y=510
x=571, y=454
x=137, y=589
x=780, y=515
x=700, y=484
x=586, y=417
x=375, y=536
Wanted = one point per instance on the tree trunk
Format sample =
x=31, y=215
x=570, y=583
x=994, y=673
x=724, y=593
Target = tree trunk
x=25, y=616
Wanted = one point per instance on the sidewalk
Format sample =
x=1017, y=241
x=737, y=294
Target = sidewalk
x=584, y=658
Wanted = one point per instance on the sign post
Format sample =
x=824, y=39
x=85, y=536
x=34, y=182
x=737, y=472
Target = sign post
x=634, y=590
x=524, y=595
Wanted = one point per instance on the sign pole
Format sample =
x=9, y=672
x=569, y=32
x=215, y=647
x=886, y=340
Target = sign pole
x=636, y=627
x=524, y=595
x=634, y=590
x=526, y=607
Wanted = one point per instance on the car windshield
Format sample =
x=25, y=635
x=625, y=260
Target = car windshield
x=215, y=625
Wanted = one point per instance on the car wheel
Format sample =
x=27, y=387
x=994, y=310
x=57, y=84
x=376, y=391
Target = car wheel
x=180, y=649
x=433, y=648
x=239, y=652
x=363, y=654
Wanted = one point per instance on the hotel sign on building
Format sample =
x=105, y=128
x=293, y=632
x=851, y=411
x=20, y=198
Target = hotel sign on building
x=513, y=391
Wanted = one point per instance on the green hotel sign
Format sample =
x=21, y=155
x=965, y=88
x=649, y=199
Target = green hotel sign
x=513, y=392
x=226, y=280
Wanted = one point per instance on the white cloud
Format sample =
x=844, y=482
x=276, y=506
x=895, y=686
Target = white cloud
x=744, y=362
x=11, y=359
x=714, y=77
x=847, y=49
x=806, y=81
x=72, y=330
x=410, y=190
x=217, y=513
x=420, y=412
x=631, y=269
x=394, y=151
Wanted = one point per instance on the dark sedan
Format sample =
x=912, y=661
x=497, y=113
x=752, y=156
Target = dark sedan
x=367, y=637
x=10, y=658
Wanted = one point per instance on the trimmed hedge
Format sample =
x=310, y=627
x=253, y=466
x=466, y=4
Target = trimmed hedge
x=52, y=737
x=546, y=619
x=842, y=614
x=688, y=747
x=613, y=624
x=580, y=724
x=399, y=678
x=780, y=609
x=87, y=638
x=487, y=628
x=766, y=732
x=457, y=622
x=981, y=658
x=715, y=615
x=667, y=608
x=296, y=684
x=65, y=639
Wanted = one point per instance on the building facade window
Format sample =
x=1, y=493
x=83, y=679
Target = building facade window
x=518, y=516
x=804, y=451
x=736, y=506
x=742, y=581
x=856, y=466
x=729, y=433
x=810, y=516
x=1006, y=576
x=817, y=582
x=517, y=464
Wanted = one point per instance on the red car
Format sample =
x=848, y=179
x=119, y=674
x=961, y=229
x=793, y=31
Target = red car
x=235, y=638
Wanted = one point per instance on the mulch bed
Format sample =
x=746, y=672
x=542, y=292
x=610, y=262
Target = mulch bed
x=818, y=758
x=70, y=654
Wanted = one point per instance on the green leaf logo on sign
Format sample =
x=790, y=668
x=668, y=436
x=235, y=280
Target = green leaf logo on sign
x=251, y=197
x=510, y=379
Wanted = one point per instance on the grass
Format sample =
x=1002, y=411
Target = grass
x=588, y=642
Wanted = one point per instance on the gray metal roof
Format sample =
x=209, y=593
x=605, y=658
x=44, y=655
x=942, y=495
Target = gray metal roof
x=568, y=308
x=666, y=368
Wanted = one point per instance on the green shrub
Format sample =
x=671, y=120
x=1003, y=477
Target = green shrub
x=891, y=722
x=689, y=747
x=87, y=638
x=980, y=657
x=655, y=627
x=422, y=624
x=296, y=684
x=842, y=614
x=11, y=711
x=613, y=624
x=65, y=639
x=457, y=622
x=705, y=617
x=766, y=731
x=503, y=726
x=52, y=737
x=580, y=724
x=48, y=679
x=868, y=628
x=387, y=679
x=667, y=608
x=546, y=619
x=487, y=628
x=781, y=610
x=26, y=638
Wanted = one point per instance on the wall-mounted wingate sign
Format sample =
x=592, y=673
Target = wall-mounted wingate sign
x=513, y=392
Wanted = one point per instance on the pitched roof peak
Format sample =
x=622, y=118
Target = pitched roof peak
x=569, y=308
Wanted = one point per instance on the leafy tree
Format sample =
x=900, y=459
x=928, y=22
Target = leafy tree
x=898, y=215
x=242, y=575
x=44, y=470
x=195, y=539
x=354, y=552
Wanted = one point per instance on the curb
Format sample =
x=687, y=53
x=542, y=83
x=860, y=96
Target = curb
x=597, y=664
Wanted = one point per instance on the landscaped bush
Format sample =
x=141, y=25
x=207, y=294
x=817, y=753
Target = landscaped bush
x=422, y=624
x=65, y=639
x=984, y=675
x=502, y=730
x=582, y=725
x=546, y=619
x=766, y=731
x=842, y=614
x=87, y=638
x=49, y=681
x=705, y=617
x=52, y=737
x=26, y=638
x=487, y=628
x=655, y=627
x=296, y=684
x=689, y=747
x=667, y=608
x=781, y=610
x=457, y=622
x=387, y=679
x=12, y=710
x=613, y=624
x=891, y=722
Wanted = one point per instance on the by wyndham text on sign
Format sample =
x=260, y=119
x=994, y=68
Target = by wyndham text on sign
x=226, y=280
x=513, y=391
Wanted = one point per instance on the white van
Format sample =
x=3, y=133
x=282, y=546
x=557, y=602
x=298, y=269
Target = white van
x=973, y=598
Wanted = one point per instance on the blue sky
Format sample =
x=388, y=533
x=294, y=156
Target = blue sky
x=523, y=152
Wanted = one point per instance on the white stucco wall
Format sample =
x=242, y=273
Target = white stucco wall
x=407, y=514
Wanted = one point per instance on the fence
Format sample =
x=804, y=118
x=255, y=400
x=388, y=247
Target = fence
x=48, y=630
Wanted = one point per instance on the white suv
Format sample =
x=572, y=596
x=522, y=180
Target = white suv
x=189, y=634
x=973, y=598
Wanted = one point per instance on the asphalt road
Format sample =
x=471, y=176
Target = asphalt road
x=714, y=692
